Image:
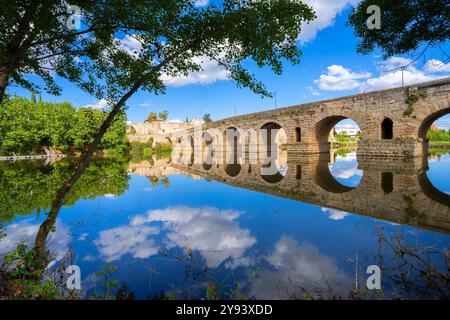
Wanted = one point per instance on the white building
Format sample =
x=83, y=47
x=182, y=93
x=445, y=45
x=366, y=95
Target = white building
x=158, y=130
x=348, y=129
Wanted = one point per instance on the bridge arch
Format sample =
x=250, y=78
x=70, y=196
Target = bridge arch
x=207, y=152
x=273, y=153
x=250, y=145
x=325, y=179
x=188, y=150
x=207, y=139
x=167, y=141
x=323, y=130
x=431, y=191
x=435, y=112
x=232, y=151
x=177, y=149
x=429, y=120
x=280, y=136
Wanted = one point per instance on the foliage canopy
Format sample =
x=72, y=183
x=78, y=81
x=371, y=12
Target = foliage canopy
x=405, y=25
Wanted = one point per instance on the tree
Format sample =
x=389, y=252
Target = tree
x=163, y=115
x=34, y=40
x=27, y=186
x=152, y=117
x=40, y=38
x=40, y=98
x=173, y=34
x=405, y=25
x=25, y=127
x=207, y=117
x=438, y=135
x=33, y=98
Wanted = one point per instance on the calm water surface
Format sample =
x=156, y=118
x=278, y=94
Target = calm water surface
x=174, y=232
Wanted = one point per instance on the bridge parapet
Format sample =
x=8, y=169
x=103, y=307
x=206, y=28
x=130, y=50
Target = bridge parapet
x=393, y=122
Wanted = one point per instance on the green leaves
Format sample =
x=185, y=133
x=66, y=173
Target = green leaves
x=26, y=127
x=31, y=186
x=438, y=135
x=152, y=117
x=23, y=267
x=405, y=25
x=165, y=37
x=163, y=115
x=207, y=118
x=104, y=274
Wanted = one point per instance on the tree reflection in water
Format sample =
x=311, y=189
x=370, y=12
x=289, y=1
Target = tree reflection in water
x=208, y=239
x=28, y=187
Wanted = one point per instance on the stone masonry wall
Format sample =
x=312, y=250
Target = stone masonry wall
x=431, y=100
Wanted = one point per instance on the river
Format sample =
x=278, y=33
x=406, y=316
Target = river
x=177, y=231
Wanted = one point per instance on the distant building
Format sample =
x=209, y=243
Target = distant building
x=434, y=128
x=349, y=130
x=158, y=130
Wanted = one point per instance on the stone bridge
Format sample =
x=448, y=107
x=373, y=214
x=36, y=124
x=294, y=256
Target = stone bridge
x=392, y=153
x=395, y=189
x=393, y=122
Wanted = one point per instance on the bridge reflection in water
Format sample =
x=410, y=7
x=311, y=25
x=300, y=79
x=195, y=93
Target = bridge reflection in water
x=391, y=189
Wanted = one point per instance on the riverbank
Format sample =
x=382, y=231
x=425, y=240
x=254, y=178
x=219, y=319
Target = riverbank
x=144, y=150
x=33, y=157
x=440, y=144
x=351, y=145
x=56, y=156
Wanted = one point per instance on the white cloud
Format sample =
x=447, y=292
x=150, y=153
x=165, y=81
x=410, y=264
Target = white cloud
x=210, y=73
x=213, y=232
x=115, y=243
x=437, y=66
x=146, y=104
x=298, y=266
x=391, y=76
x=339, y=78
x=351, y=156
x=336, y=215
x=176, y=121
x=312, y=91
x=99, y=105
x=326, y=12
x=83, y=236
x=345, y=167
x=201, y=3
x=26, y=231
x=346, y=173
x=89, y=258
x=131, y=44
x=394, y=79
x=392, y=63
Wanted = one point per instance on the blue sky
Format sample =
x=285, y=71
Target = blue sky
x=330, y=67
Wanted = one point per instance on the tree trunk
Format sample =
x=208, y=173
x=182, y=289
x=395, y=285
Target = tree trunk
x=45, y=228
x=3, y=84
x=40, y=245
x=17, y=46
